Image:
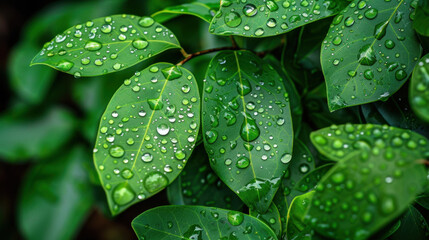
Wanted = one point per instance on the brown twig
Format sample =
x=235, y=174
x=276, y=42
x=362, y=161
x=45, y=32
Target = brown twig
x=192, y=55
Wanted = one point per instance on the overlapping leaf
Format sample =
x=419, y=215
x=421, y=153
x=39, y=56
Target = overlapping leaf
x=421, y=18
x=105, y=45
x=419, y=89
x=369, y=52
x=204, y=10
x=271, y=217
x=147, y=133
x=247, y=125
x=195, y=222
x=379, y=174
x=257, y=18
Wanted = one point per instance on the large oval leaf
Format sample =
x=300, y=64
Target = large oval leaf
x=369, y=52
x=105, y=45
x=147, y=133
x=271, y=217
x=296, y=226
x=421, y=19
x=256, y=18
x=368, y=189
x=199, y=185
x=340, y=143
x=247, y=125
x=413, y=226
x=196, y=222
x=419, y=89
x=204, y=10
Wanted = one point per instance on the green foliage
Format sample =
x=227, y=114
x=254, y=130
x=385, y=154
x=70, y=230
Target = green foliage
x=195, y=222
x=147, y=133
x=364, y=64
x=271, y=159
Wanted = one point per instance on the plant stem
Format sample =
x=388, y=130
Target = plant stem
x=184, y=53
x=192, y=55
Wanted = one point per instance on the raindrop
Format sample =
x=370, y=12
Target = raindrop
x=232, y=19
x=116, y=151
x=123, y=194
x=140, y=43
x=147, y=157
x=163, y=129
x=242, y=162
x=250, y=10
x=92, y=46
x=155, y=182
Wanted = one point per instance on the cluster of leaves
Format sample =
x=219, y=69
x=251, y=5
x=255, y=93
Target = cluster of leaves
x=252, y=133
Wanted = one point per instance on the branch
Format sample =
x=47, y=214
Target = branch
x=192, y=55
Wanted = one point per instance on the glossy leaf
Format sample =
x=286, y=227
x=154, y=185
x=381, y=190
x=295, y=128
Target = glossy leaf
x=23, y=137
x=271, y=217
x=105, y=45
x=146, y=134
x=369, y=52
x=421, y=18
x=247, y=126
x=370, y=188
x=196, y=222
x=423, y=200
x=413, y=226
x=31, y=84
x=419, y=89
x=296, y=226
x=309, y=181
x=255, y=18
x=199, y=185
x=55, y=197
x=343, y=142
x=203, y=10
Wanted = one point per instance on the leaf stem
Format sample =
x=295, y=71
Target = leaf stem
x=184, y=53
x=192, y=55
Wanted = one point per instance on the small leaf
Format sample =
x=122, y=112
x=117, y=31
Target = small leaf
x=371, y=186
x=55, y=189
x=195, y=222
x=343, y=142
x=364, y=64
x=271, y=217
x=105, y=45
x=421, y=18
x=413, y=226
x=199, y=185
x=309, y=181
x=296, y=227
x=146, y=134
x=31, y=84
x=204, y=11
x=419, y=89
x=247, y=126
x=254, y=18
x=23, y=137
x=423, y=200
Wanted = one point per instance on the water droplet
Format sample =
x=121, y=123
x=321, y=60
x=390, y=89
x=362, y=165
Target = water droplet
x=387, y=205
x=259, y=32
x=64, y=65
x=146, y=22
x=127, y=173
x=286, y=158
x=235, y=218
x=389, y=44
x=123, y=194
x=349, y=21
x=368, y=74
x=147, y=157
x=172, y=72
x=400, y=75
x=271, y=5
x=92, y=46
x=371, y=13
x=244, y=87
x=337, y=41
x=116, y=151
x=106, y=28
x=140, y=43
x=155, y=104
x=271, y=23
x=242, y=162
x=338, y=177
x=366, y=55
x=232, y=19
x=180, y=155
x=163, y=129
x=155, y=182
x=250, y=10
x=211, y=136
x=380, y=30
x=249, y=130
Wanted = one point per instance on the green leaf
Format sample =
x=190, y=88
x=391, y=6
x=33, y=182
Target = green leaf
x=369, y=52
x=423, y=200
x=204, y=11
x=296, y=226
x=199, y=185
x=105, y=45
x=55, y=197
x=343, y=142
x=23, y=137
x=309, y=181
x=413, y=226
x=421, y=18
x=372, y=184
x=31, y=84
x=247, y=126
x=195, y=222
x=255, y=18
x=419, y=89
x=146, y=134
x=271, y=217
